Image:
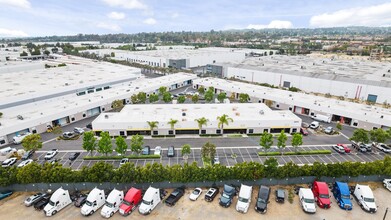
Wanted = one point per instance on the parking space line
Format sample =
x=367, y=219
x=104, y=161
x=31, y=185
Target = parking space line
x=249, y=155
x=241, y=155
x=226, y=157
x=80, y=165
x=234, y=158
x=338, y=160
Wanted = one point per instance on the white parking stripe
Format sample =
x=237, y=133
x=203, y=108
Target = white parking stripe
x=226, y=157
x=250, y=155
x=234, y=158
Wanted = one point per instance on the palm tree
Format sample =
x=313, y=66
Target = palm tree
x=223, y=120
x=152, y=125
x=172, y=122
x=201, y=121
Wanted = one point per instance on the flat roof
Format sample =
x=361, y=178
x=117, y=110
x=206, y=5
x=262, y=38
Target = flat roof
x=362, y=112
x=356, y=70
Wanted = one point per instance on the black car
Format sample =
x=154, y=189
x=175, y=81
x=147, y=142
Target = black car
x=280, y=195
x=211, y=194
x=171, y=151
x=81, y=200
x=228, y=194
x=42, y=203
x=75, y=195
x=89, y=126
x=146, y=150
x=28, y=154
x=73, y=156
x=263, y=199
x=175, y=196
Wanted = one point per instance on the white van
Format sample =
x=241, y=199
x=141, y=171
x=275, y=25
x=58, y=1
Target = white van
x=364, y=197
x=112, y=204
x=150, y=200
x=323, y=118
x=59, y=200
x=307, y=200
x=244, y=199
x=314, y=125
x=19, y=138
x=95, y=200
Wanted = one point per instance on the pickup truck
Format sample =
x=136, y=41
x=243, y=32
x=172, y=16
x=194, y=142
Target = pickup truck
x=42, y=203
x=211, y=194
x=175, y=196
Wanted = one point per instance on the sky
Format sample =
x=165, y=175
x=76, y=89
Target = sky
x=24, y=18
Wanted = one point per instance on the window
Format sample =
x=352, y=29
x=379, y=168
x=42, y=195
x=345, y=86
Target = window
x=106, y=87
x=81, y=93
x=287, y=84
x=155, y=132
x=84, y=115
x=90, y=91
x=203, y=131
x=277, y=105
x=218, y=131
x=2, y=141
x=290, y=108
x=103, y=109
x=72, y=119
x=250, y=131
x=355, y=124
x=266, y=130
x=170, y=132
x=294, y=130
x=98, y=89
x=372, y=98
x=122, y=133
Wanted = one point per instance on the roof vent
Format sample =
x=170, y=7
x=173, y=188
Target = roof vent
x=261, y=112
x=106, y=116
x=19, y=117
x=183, y=113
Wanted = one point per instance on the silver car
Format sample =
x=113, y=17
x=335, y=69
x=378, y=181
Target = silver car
x=33, y=199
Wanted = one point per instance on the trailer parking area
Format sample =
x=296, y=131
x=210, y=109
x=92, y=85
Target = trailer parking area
x=13, y=208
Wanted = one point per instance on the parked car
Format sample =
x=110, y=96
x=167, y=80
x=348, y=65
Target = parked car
x=314, y=125
x=328, y=130
x=9, y=162
x=368, y=147
x=42, y=203
x=263, y=199
x=28, y=154
x=78, y=130
x=359, y=147
x=5, y=194
x=31, y=200
x=68, y=135
x=387, y=184
x=364, y=197
x=303, y=131
x=321, y=194
x=25, y=162
x=339, y=149
x=131, y=200
x=307, y=200
x=73, y=156
x=146, y=150
x=341, y=193
x=53, y=161
x=227, y=195
x=216, y=160
x=51, y=154
x=244, y=199
x=175, y=196
x=382, y=147
x=345, y=147
x=280, y=195
x=81, y=200
x=171, y=151
x=195, y=194
x=158, y=150
x=211, y=194
x=123, y=161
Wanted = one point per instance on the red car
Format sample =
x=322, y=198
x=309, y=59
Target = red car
x=304, y=131
x=321, y=194
x=345, y=147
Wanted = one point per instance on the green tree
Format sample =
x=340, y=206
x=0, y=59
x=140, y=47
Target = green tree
x=186, y=150
x=201, y=90
x=24, y=54
x=134, y=99
x=1, y=114
x=209, y=95
x=162, y=90
x=152, y=125
x=208, y=151
x=104, y=145
x=360, y=135
x=195, y=98
x=112, y=54
x=142, y=97
x=30, y=173
x=121, y=145
x=243, y=97
x=36, y=52
x=32, y=142
x=281, y=140
x=266, y=141
x=338, y=126
x=201, y=122
x=89, y=141
x=223, y=120
x=153, y=98
x=379, y=135
x=167, y=97
x=181, y=99
x=297, y=140
x=46, y=52
x=221, y=96
x=117, y=105
x=136, y=143
x=172, y=123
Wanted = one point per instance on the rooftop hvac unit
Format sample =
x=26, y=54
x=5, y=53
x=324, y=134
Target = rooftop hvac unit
x=19, y=117
x=261, y=112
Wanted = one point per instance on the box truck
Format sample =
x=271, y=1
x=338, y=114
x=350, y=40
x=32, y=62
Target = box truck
x=59, y=200
x=95, y=200
x=323, y=118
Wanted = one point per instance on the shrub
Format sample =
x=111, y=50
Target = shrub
x=269, y=154
x=120, y=157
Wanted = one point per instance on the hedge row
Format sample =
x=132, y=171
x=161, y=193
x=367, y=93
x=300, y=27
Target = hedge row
x=121, y=157
x=310, y=152
x=156, y=172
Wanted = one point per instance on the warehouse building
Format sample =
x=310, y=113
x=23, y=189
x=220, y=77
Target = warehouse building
x=248, y=118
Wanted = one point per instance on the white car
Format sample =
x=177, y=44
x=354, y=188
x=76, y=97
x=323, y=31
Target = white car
x=123, y=161
x=78, y=130
x=50, y=154
x=9, y=162
x=158, y=150
x=25, y=162
x=387, y=184
x=195, y=194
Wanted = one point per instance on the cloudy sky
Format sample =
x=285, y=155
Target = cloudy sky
x=69, y=17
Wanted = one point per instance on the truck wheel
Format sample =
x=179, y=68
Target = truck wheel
x=111, y=214
x=92, y=212
x=54, y=212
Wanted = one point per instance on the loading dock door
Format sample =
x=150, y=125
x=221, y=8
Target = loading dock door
x=298, y=110
x=93, y=111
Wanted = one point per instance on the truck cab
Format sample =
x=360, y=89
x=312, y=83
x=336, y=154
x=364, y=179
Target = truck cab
x=112, y=204
x=228, y=194
x=130, y=202
x=244, y=199
x=59, y=200
x=150, y=200
x=95, y=200
x=364, y=197
x=321, y=194
x=307, y=200
x=342, y=195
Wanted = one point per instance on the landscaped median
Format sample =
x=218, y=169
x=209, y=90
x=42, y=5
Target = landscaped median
x=121, y=157
x=310, y=152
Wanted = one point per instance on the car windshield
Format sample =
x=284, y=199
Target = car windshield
x=146, y=202
x=88, y=203
x=196, y=192
x=126, y=202
x=324, y=196
x=261, y=200
x=110, y=205
x=225, y=196
x=51, y=203
x=243, y=200
x=369, y=199
x=308, y=200
x=345, y=196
